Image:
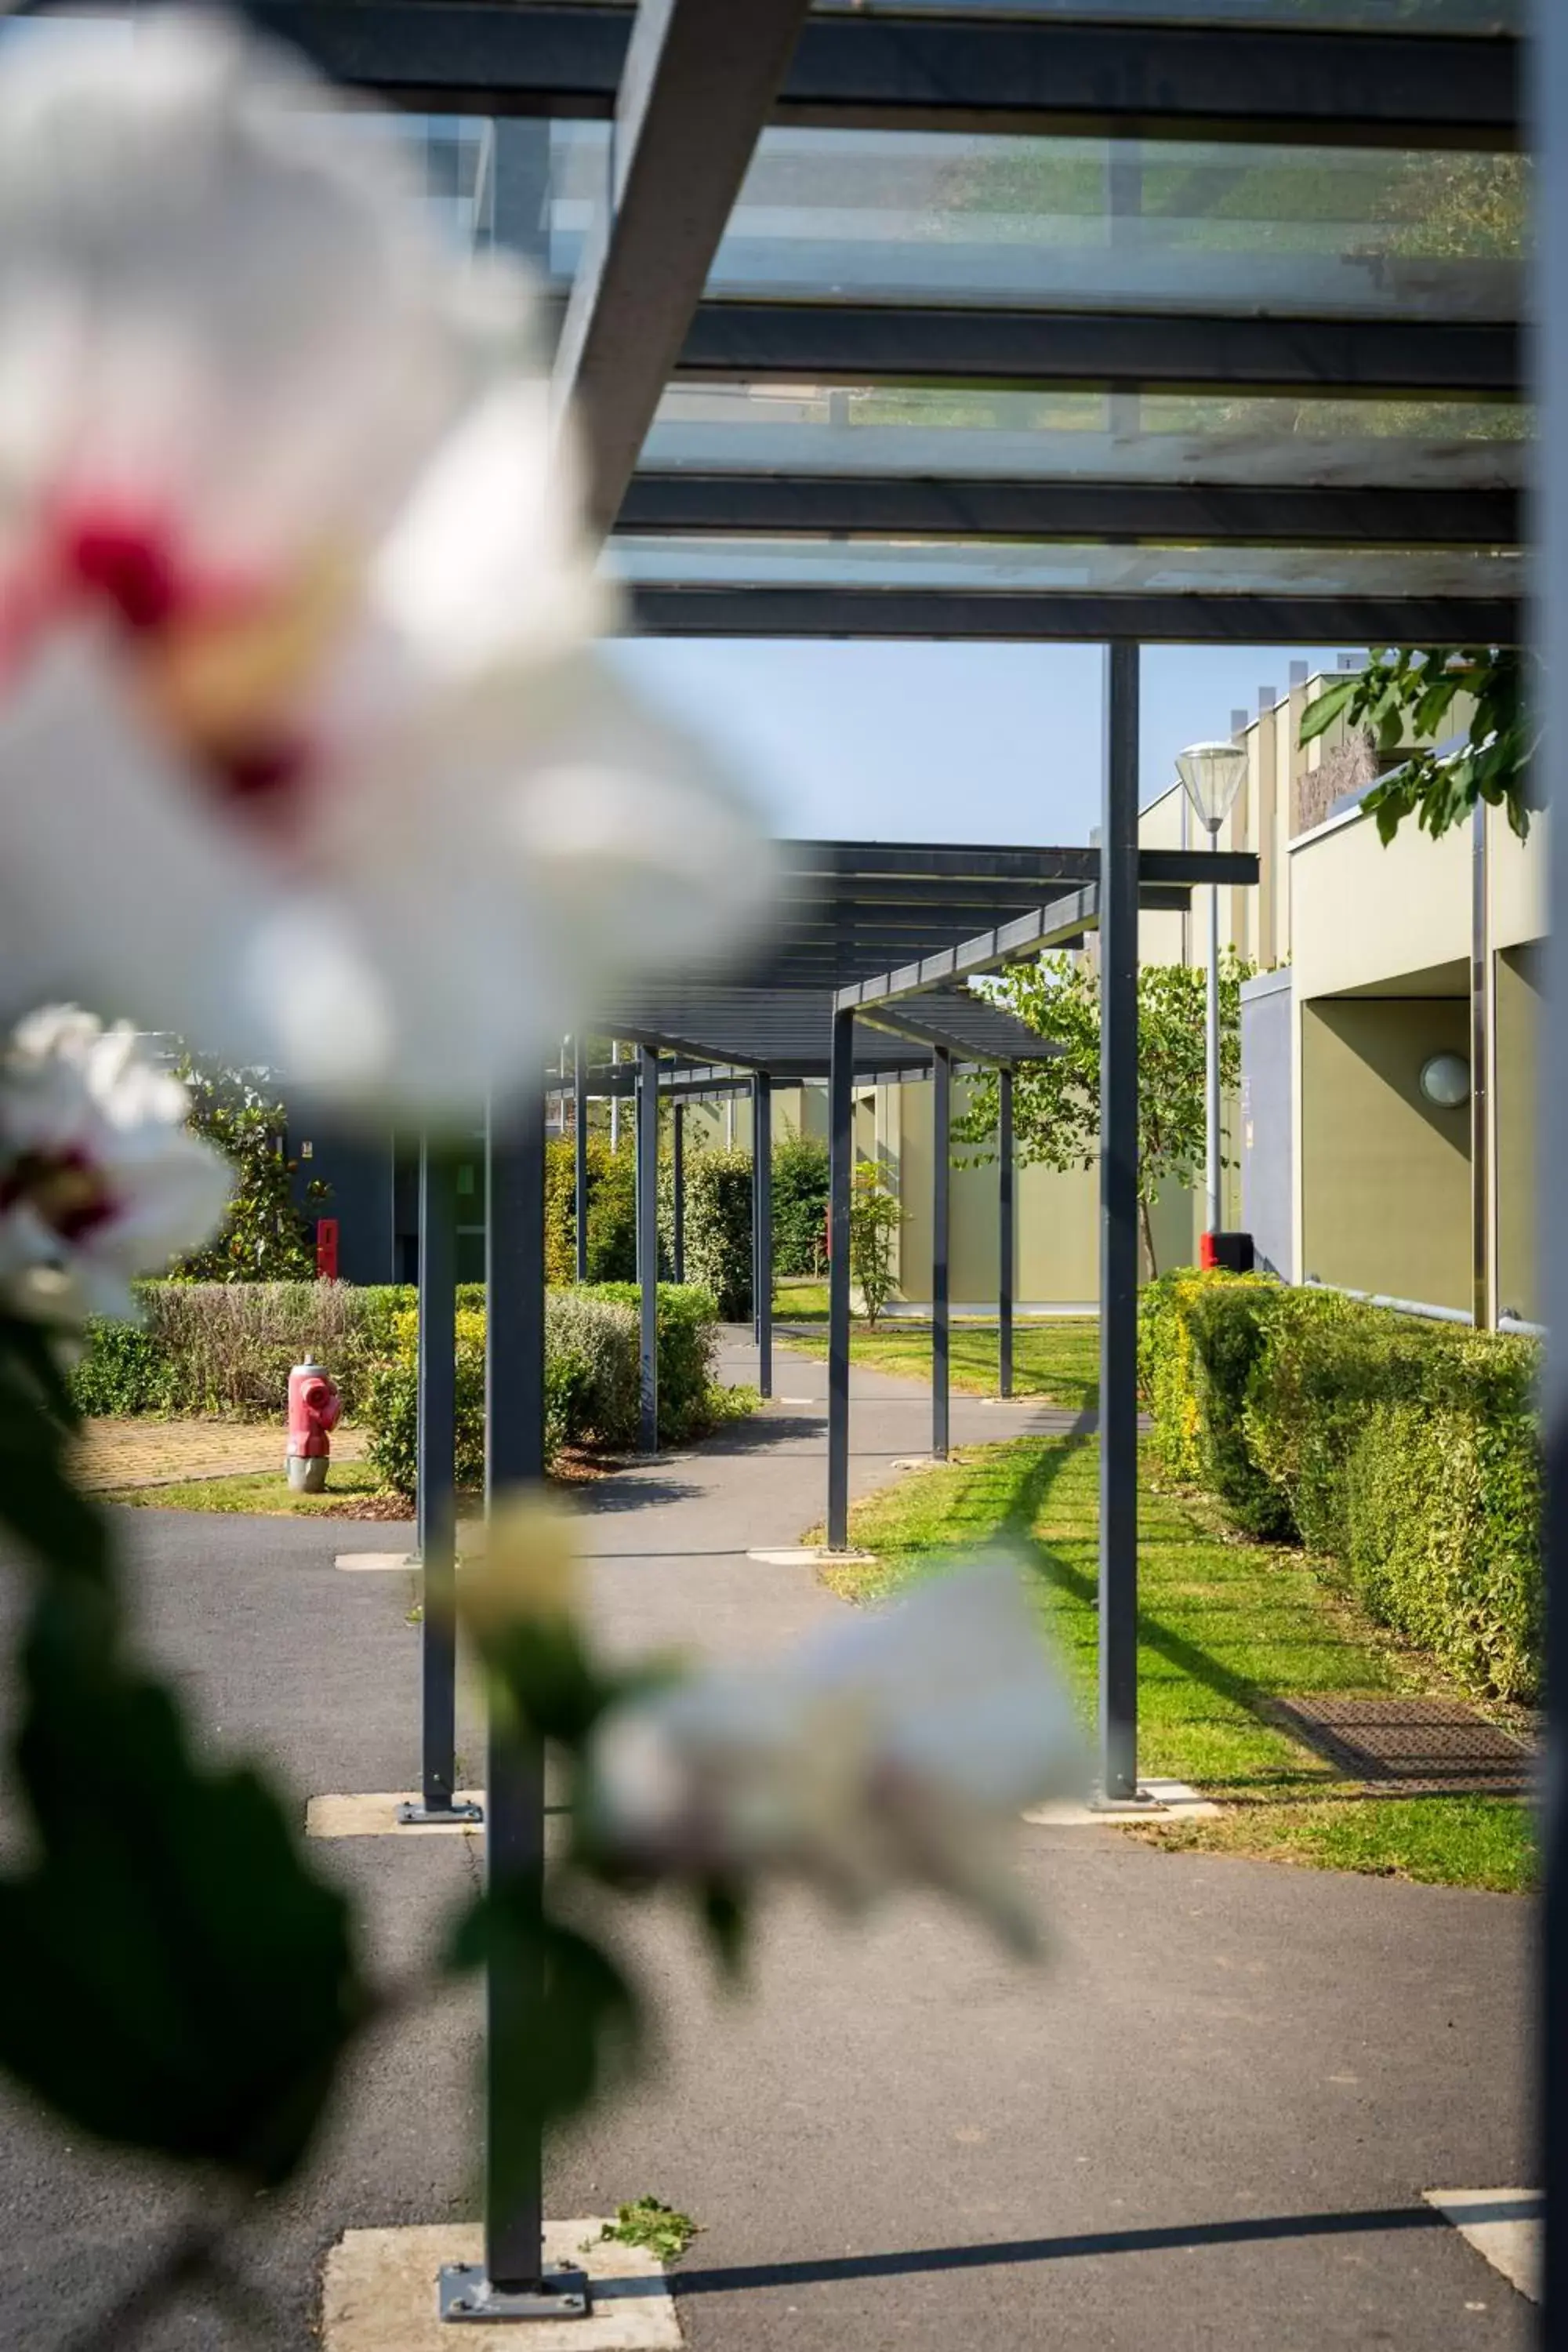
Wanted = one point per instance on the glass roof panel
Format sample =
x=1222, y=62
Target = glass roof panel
x=724, y=563
x=893, y=430
x=1095, y=224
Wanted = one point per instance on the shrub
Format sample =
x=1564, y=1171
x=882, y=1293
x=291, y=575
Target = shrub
x=687, y=1339
x=612, y=1213
x=124, y=1370
x=1406, y=1453
x=392, y=1404
x=874, y=1217
x=718, y=1229
x=800, y=1205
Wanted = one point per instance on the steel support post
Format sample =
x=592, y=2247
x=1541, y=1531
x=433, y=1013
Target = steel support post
x=1549, y=307
x=678, y=1188
x=941, y=1202
x=513, y=2281
x=647, y=1241
x=580, y=1140
x=1214, y=1155
x=1483, y=1121
x=1119, y=1232
x=763, y=1225
x=1006, y=1271
x=841, y=1149
x=437, y=1490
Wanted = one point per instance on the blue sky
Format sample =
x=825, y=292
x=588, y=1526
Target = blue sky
x=944, y=742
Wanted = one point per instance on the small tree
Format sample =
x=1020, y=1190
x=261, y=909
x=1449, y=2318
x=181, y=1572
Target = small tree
x=800, y=1205
x=1055, y=1104
x=264, y=1237
x=874, y=1217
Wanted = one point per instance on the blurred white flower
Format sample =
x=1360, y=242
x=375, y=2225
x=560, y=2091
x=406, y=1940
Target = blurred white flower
x=305, y=753
x=100, y=1179
x=898, y=1748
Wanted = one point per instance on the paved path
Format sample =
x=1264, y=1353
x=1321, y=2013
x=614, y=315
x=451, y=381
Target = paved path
x=1208, y=2122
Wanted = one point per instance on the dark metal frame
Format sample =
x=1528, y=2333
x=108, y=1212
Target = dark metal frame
x=1118, y=895
x=762, y=1227
x=648, y=1245
x=1006, y=1232
x=940, y=1250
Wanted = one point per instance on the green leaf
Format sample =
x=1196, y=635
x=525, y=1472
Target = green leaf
x=1325, y=708
x=173, y=1976
x=564, y=2023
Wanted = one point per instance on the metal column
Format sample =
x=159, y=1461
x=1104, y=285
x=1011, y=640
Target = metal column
x=514, y=2281
x=1548, y=75
x=1006, y=1271
x=580, y=1139
x=436, y=1475
x=940, y=1202
x=762, y=1226
x=1482, y=1082
x=1119, y=1231
x=841, y=1149
x=677, y=1189
x=647, y=1240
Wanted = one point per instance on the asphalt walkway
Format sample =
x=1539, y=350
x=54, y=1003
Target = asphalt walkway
x=1208, y=2122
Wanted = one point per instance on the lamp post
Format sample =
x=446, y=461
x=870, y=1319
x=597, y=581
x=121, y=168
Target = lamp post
x=1213, y=774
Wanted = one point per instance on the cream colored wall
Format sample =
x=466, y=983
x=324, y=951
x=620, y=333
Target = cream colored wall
x=1364, y=914
x=1385, y=1175
x=1056, y=1231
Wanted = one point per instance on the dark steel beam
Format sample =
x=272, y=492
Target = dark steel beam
x=514, y=1830
x=1103, y=351
x=678, y=1188
x=841, y=1164
x=1007, y=1270
x=1177, y=618
x=941, y=1250
x=648, y=1244
x=965, y=73
x=437, y=1490
x=1119, y=1234
x=1123, y=514
x=698, y=85
x=580, y=1151
x=762, y=1226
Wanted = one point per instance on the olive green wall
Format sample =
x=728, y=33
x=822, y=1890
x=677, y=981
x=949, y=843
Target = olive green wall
x=1386, y=1176
x=1518, y=1016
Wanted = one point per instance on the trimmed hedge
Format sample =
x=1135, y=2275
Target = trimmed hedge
x=800, y=1205
x=718, y=1226
x=592, y=1378
x=1406, y=1453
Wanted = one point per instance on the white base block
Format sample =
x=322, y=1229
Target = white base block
x=805, y=1556
x=1503, y=2225
x=376, y=1816
x=1159, y=1800
x=379, y=2295
x=362, y=1561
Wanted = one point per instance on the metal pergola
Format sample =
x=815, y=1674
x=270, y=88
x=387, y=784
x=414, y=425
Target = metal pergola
x=1114, y=321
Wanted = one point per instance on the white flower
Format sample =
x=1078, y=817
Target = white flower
x=100, y=1179
x=899, y=1747
x=305, y=753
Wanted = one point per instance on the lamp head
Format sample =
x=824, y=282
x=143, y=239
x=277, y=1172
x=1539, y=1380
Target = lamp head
x=1213, y=774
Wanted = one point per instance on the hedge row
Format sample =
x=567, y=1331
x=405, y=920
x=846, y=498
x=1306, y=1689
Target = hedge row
x=592, y=1378
x=227, y=1347
x=1406, y=1453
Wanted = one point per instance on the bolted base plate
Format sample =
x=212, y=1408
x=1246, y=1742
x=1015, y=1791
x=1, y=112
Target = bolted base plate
x=419, y=1815
x=465, y=2294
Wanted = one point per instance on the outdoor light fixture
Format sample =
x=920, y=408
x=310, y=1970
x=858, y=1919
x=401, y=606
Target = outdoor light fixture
x=1445, y=1080
x=1213, y=774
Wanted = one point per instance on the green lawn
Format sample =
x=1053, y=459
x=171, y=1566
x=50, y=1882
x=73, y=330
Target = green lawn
x=256, y=1490
x=1224, y=1624
x=1058, y=1360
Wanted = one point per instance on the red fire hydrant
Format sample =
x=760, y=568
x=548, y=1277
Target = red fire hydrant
x=315, y=1408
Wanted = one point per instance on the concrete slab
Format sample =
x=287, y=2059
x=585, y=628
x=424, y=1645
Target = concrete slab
x=379, y=2294
x=359, y=1563
x=1503, y=2225
x=804, y=1555
x=375, y=1815
x=1159, y=1800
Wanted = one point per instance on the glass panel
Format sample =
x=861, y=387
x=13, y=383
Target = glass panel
x=1315, y=15
x=1085, y=436
x=912, y=217
x=1073, y=570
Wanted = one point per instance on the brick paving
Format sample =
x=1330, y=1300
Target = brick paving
x=135, y=1450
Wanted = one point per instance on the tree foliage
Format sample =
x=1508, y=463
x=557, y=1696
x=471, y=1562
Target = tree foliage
x=1055, y=1104
x=264, y=1237
x=874, y=1217
x=1403, y=694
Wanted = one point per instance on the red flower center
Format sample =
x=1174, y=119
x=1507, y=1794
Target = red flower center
x=63, y=1188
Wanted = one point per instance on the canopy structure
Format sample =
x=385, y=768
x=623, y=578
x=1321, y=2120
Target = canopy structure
x=1113, y=321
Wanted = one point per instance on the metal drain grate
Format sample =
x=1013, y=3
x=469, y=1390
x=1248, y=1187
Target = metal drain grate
x=1415, y=1747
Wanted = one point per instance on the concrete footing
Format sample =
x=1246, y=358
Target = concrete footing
x=375, y=1815
x=379, y=2294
